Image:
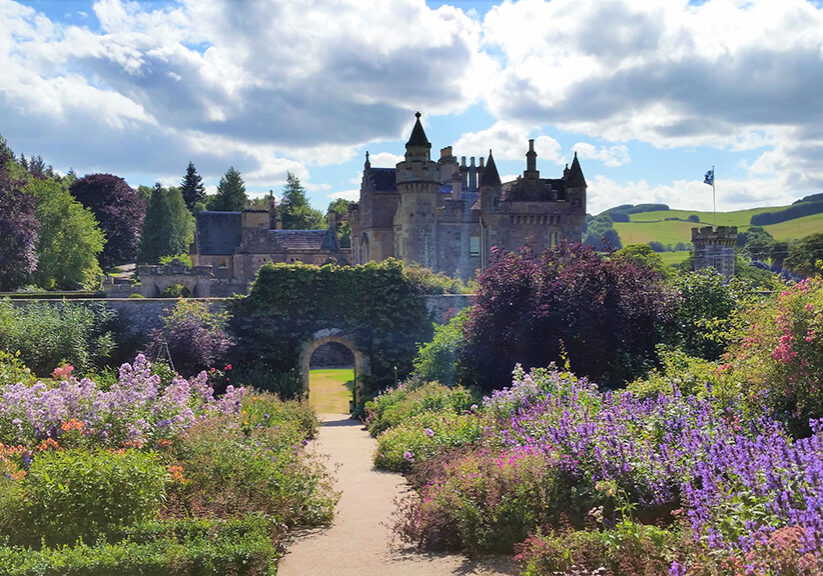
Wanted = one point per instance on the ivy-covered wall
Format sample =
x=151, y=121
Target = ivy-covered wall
x=380, y=307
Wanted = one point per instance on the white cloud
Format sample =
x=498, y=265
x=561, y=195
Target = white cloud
x=384, y=160
x=352, y=195
x=610, y=155
x=508, y=141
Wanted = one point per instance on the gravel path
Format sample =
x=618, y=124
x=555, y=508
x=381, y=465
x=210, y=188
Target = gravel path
x=358, y=543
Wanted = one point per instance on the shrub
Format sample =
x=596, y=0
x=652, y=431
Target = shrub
x=47, y=334
x=71, y=494
x=606, y=316
x=12, y=370
x=247, y=467
x=196, y=337
x=437, y=360
x=778, y=361
x=434, y=282
x=397, y=405
x=176, y=291
x=424, y=436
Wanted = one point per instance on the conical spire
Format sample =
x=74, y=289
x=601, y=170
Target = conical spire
x=575, y=176
x=418, y=135
x=490, y=176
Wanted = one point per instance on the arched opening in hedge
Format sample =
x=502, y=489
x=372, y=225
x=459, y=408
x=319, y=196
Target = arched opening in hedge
x=362, y=365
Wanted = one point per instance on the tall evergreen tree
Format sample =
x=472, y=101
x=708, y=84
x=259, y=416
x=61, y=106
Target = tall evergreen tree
x=192, y=188
x=341, y=208
x=231, y=193
x=295, y=212
x=169, y=226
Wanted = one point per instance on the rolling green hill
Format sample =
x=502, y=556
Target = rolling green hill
x=653, y=226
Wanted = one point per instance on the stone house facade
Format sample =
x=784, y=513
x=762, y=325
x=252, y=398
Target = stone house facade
x=448, y=216
x=236, y=244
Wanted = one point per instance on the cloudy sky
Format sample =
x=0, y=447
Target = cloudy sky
x=650, y=93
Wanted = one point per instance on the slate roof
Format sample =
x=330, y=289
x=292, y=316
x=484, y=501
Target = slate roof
x=418, y=135
x=301, y=240
x=385, y=179
x=218, y=233
x=490, y=175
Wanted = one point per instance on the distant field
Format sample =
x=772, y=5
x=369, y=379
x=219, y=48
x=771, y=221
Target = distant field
x=330, y=390
x=674, y=258
x=653, y=226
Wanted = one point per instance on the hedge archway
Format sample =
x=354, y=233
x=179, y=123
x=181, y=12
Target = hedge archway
x=362, y=365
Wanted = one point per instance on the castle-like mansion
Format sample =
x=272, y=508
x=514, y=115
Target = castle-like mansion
x=448, y=216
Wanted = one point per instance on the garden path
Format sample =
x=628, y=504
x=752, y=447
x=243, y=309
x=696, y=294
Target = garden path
x=359, y=542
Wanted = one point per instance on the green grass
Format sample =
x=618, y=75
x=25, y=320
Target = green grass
x=330, y=390
x=674, y=258
x=646, y=227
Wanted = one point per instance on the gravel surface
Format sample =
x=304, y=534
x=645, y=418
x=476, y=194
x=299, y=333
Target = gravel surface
x=359, y=542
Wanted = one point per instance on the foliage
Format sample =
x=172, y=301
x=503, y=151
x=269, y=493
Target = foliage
x=438, y=358
x=287, y=304
x=119, y=212
x=757, y=243
x=256, y=466
x=168, y=228
x=185, y=547
x=70, y=240
x=684, y=374
x=396, y=405
x=196, y=337
x=13, y=370
x=231, y=193
x=705, y=310
x=295, y=212
x=435, y=282
x=805, y=254
x=601, y=235
x=175, y=291
x=340, y=206
x=606, y=316
x=788, y=213
x=643, y=255
x=80, y=494
x=183, y=258
x=18, y=227
x=778, y=361
x=423, y=436
x=192, y=188
x=556, y=450
x=46, y=334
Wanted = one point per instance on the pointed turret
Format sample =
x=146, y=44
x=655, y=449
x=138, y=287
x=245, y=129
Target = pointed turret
x=490, y=176
x=418, y=135
x=575, y=178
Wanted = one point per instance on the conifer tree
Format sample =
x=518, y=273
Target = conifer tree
x=231, y=193
x=192, y=188
x=296, y=213
x=168, y=228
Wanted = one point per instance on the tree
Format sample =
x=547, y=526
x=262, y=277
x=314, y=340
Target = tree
x=295, y=212
x=70, y=240
x=18, y=226
x=341, y=209
x=601, y=235
x=119, y=212
x=192, y=188
x=604, y=316
x=805, y=254
x=644, y=255
x=758, y=244
x=231, y=193
x=169, y=226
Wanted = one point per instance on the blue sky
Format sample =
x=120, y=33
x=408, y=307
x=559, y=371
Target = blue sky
x=649, y=94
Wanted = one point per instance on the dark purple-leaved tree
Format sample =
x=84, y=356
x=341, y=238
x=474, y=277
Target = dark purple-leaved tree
x=604, y=316
x=18, y=227
x=119, y=212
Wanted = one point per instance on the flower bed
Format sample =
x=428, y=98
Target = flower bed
x=593, y=479
x=150, y=478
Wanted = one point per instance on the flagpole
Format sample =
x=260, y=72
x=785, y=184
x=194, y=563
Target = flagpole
x=714, y=203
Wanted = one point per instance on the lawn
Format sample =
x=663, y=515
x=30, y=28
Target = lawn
x=330, y=390
x=646, y=227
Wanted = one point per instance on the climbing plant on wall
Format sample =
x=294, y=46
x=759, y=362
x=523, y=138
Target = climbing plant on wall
x=376, y=303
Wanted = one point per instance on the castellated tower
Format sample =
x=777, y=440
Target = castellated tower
x=714, y=248
x=418, y=185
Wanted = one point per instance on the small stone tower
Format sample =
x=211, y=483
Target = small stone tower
x=714, y=248
x=418, y=186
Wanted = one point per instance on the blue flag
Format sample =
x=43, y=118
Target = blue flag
x=709, y=178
